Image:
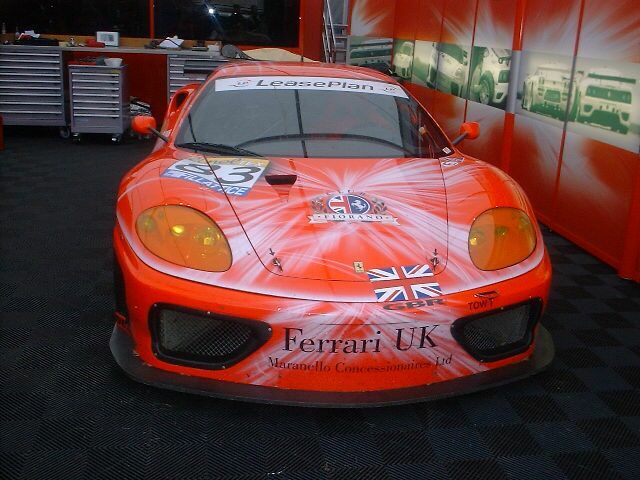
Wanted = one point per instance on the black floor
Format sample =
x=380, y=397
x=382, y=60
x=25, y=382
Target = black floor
x=67, y=412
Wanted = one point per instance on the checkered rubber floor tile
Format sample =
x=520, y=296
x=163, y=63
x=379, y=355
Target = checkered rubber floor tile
x=69, y=413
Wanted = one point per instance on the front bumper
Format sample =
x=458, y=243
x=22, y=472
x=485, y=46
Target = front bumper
x=123, y=348
x=500, y=93
x=324, y=352
x=606, y=118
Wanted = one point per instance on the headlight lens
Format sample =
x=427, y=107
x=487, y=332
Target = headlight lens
x=184, y=236
x=501, y=237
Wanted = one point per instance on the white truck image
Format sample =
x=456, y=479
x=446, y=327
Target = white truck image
x=547, y=90
x=425, y=63
x=604, y=98
x=403, y=59
x=374, y=53
x=490, y=78
x=453, y=64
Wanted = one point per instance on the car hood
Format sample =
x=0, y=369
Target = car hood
x=345, y=219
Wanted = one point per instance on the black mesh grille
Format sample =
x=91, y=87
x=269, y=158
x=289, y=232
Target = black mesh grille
x=498, y=334
x=208, y=341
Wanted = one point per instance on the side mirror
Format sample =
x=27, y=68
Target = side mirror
x=144, y=125
x=468, y=130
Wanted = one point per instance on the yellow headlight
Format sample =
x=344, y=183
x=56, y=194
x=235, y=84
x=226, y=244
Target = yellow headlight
x=184, y=236
x=501, y=237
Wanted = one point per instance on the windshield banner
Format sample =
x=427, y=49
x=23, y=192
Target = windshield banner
x=308, y=83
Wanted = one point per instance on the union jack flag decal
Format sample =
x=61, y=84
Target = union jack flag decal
x=382, y=274
x=404, y=289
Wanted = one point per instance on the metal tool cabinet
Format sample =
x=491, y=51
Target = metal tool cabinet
x=197, y=64
x=99, y=100
x=32, y=86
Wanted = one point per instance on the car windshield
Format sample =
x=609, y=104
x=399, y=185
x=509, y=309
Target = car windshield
x=555, y=75
x=604, y=93
x=285, y=121
x=454, y=51
x=406, y=49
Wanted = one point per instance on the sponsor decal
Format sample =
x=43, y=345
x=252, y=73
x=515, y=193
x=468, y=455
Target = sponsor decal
x=485, y=300
x=415, y=304
x=406, y=338
x=233, y=175
x=320, y=366
x=342, y=354
x=350, y=207
x=405, y=286
x=286, y=82
x=451, y=161
x=481, y=304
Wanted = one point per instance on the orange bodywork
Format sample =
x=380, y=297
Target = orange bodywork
x=333, y=323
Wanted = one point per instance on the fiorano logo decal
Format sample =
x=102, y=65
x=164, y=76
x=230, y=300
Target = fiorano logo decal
x=350, y=207
x=287, y=82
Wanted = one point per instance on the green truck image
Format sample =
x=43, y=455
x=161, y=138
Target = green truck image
x=547, y=90
x=604, y=98
x=490, y=77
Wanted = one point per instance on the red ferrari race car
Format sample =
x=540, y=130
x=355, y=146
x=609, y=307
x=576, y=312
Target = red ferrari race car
x=307, y=234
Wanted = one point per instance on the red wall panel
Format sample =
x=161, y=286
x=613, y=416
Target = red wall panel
x=424, y=95
x=610, y=30
x=488, y=146
x=448, y=111
x=583, y=179
x=459, y=19
x=311, y=27
x=372, y=18
x=596, y=182
x=550, y=31
x=406, y=19
x=594, y=194
x=430, y=20
x=534, y=161
x=551, y=26
x=495, y=22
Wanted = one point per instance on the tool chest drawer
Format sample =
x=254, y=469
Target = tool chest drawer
x=32, y=90
x=99, y=100
x=197, y=66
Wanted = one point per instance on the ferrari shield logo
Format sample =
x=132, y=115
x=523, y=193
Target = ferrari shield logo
x=358, y=267
x=348, y=204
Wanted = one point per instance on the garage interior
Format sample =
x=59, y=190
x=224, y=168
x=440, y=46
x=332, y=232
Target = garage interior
x=69, y=412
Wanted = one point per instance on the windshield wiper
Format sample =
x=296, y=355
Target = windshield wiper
x=219, y=148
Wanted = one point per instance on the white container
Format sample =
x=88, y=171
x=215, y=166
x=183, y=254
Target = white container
x=113, y=62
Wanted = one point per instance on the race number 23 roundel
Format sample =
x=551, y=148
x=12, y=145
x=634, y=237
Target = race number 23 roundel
x=234, y=176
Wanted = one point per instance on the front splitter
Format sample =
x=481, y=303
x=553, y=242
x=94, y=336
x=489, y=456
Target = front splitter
x=122, y=348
